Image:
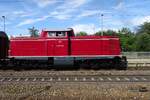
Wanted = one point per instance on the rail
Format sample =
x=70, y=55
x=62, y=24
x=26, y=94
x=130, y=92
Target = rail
x=78, y=78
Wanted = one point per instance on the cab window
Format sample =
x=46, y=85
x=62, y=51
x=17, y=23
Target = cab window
x=56, y=34
x=51, y=34
x=60, y=33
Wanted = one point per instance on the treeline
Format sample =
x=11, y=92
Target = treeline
x=130, y=41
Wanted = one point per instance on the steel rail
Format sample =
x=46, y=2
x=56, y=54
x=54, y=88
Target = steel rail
x=77, y=78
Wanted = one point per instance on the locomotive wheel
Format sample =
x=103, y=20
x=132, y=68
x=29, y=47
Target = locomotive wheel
x=95, y=67
x=119, y=64
x=84, y=66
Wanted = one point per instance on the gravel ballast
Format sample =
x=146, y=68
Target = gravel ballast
x=74, y=91
x=80, y=72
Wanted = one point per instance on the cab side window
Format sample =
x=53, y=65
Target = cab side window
x=51, y=34
x=60, y=33
x=56, y=34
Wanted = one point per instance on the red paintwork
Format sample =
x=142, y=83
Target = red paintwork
x=95, y=45
x=58, y=46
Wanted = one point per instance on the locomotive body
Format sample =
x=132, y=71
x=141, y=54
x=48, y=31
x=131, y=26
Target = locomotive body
x=63, y=46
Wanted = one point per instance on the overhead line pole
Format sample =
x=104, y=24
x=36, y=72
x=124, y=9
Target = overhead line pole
x=4, y=22
x=102, y=24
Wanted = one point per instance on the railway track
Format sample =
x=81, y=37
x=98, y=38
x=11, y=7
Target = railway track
x=77, y=78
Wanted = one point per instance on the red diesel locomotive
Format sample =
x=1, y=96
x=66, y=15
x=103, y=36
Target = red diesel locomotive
x=57, y=47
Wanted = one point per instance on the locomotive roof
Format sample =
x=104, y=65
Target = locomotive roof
x=68, y=29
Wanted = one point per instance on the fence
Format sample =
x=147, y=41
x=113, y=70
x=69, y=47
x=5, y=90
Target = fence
x=137, y=55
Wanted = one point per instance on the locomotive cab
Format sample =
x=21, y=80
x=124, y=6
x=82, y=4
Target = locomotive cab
x=57, y=33
x=4, y=45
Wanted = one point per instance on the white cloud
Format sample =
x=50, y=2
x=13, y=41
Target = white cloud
x=88, y=13
x=21, y=13
x=89, y=28
x=18, y=12
x=64, y=11
x=97, y=13
x=44, y=3
x=55, y=14
x=31, y=21
x=61, y=13
x=72, y=4
x=62, y=17
x=25, y=22
x=140, y=20
x=120, y=5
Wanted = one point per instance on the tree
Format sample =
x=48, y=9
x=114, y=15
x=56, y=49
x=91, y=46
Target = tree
x=81, y=33
x=143, y=37
x=99, y=33
x=33, y=32
x=144, y=28
x=108, y=32
x=125, y=30
x=143, y=42
x=127, y=39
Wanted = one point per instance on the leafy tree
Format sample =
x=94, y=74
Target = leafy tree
x=143, y=37
x=108, y=32
x=143, y=42
x=81, y=33
x=99, y=33
x=125, y=30
x=127, y=42
x=33, y=32
x=144, y=28
x=127, y=39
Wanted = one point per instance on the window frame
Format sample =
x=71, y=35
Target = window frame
x=56, y=33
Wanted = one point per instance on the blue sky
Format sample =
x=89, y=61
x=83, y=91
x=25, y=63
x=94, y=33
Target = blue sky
x=82, y=15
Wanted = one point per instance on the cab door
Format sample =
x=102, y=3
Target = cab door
x=61, y=44
x=61, y=47
x=57, y=44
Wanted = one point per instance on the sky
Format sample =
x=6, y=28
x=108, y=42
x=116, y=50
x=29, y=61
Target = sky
x=81, y=15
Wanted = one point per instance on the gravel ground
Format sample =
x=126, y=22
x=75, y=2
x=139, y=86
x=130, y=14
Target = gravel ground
x=74, y=91
x=78, y=72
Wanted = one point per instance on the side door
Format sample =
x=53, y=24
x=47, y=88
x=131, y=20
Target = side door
x=61, y=47
x=61, y=44
x=57, y=44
